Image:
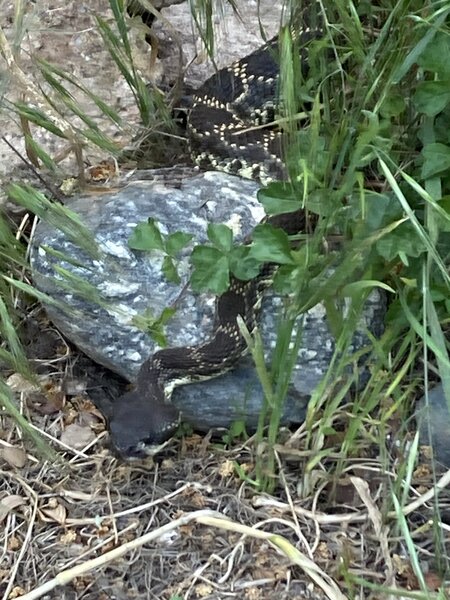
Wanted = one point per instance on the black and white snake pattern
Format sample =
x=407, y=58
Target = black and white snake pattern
x=222, y=135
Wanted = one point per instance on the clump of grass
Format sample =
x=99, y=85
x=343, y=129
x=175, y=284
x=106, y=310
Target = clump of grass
x=53, y=101
x=374, y=161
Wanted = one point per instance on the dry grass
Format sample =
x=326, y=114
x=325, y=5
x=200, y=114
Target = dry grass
x=188, y=527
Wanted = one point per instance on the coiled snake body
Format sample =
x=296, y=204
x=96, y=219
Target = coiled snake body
x=225, y=107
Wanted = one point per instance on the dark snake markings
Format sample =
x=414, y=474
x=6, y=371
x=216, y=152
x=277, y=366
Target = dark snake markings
x=236, y=98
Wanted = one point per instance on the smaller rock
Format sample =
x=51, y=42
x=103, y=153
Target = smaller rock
x=433, y=418
x=77, y=437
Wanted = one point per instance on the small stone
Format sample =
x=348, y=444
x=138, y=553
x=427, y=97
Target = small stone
x=434, y=424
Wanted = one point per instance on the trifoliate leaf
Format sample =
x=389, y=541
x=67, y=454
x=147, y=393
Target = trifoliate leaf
x=242, y=265
x=221, y=236
x=278, y=198
x=177, y=241
x=146, y=236
x=404, y=239
x=436, y=56
x=432, y=97
x=270, y=244
x=211, y=270
x=437, y=159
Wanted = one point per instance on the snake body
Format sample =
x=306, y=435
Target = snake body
x=225, y=107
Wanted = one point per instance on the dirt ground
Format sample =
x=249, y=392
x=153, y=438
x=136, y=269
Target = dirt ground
x=190, y=525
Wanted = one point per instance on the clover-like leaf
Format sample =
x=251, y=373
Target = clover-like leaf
x=242, y=265
x=437, y=159
x=177, y=241
x=278, y=198
x=403, y=240
x=211, y=271
x=270, y=244
x=169, y=269
x=146, y=236
x=393, y=105
x=436, y=56
x=432, y=97
x=221, y=236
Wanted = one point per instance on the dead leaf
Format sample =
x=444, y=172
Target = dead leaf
x=92, y=418
x=9, y=503
x=276, y=572
x=427, y=452
x=74, y=386
x=433, y=581
x=253, y=593
x=362, y=487
x=18, y=383
x=68, y=185
x=405, y=572
x=323, y=550
x=187, y=529
x=77, y=437
x=16, y=592
x=13, y=543
x=101, y=172
x=247, y=467
x=422, y=472
x=167, y=464
x=226, y=469
x=14, y=456
x=203, y=589
x=49, y=400
x=68, y=537
x=44, y=405
x=198, y=500
x=54, y=513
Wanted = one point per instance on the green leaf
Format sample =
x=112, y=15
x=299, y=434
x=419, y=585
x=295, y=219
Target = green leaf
x=278, y=198
x=169, y=270
x=323, y=203
x=177, y=241
x=39, y=118
x=237, y=428
x=377, y=211
x=154, y=326
x=41, y=153
x=242, y=265
x=221, y=236
x=437, y=159
x=402, y=240
x=166, y=314
x=211, y=270
x=444, y=220
x=270, y=245
x=359, y=286
x=393, y=105
x=436, y=56
x=146, y=236
x=432, y=97
x=286, y=279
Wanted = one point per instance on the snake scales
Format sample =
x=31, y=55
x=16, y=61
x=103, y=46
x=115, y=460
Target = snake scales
x=225, y=107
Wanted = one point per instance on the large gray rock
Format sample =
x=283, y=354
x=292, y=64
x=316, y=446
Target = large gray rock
x=130, y=282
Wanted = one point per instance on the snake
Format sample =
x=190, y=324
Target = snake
x=222, y=136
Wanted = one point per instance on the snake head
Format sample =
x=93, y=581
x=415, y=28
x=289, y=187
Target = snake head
x=140, y=428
